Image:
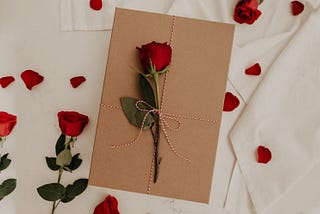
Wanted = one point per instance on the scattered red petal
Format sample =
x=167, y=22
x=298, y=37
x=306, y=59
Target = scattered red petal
x=31, y=78
x=253, y=70
x=76, y=81
x=230, y=102
x=296, y=7
x=5, y=81
x=96, y=4
x=263, y=155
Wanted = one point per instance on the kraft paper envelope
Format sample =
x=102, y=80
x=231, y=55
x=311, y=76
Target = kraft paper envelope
x=195, y=87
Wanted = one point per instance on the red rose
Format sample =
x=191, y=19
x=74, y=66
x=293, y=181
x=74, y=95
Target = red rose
x=72, y=123
x=108, y=206
x=158, y=53
x=246, y=11
x=7, y=122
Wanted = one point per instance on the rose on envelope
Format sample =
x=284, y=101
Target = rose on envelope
x=108, y=206
x=72, y=123
x=155, y=55
x=7, y=123
x=246, y=11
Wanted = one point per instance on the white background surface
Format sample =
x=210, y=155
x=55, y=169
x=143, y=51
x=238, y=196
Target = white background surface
x=30, y=38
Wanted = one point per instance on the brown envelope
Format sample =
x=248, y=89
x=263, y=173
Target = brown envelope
x=195, y=86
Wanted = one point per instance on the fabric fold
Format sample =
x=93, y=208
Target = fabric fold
x=281, y=116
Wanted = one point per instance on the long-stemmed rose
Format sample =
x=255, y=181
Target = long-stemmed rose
x=71, y=124
x=154, y=58
x=7, y=123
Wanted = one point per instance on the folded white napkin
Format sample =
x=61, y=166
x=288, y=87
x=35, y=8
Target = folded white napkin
x=77, y=14
x=282, y=116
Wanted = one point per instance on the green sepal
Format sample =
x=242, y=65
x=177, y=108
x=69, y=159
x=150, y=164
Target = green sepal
x=135, y=116
x=51, y=192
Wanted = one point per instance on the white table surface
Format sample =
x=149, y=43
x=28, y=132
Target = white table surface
x=30, y=38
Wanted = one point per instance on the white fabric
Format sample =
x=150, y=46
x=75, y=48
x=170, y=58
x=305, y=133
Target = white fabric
x=281, y=115
x=77, y=14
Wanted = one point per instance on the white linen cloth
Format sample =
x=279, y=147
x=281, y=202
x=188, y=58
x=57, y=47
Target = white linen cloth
x=282, y=116
x=77, y=14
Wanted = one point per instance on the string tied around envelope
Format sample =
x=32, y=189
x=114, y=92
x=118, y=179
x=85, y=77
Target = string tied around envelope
x=163, y=116
x=163, y=120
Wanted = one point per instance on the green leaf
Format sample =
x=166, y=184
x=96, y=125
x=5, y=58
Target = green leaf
x=51, y=162
x=4, y=162
x=60, y=144
x=75, y=162
x=147, y=91
x=75, y=189
x=51, y=192
x=7, y=187
x=66, y=199
x=134, y=116
x=64, y=158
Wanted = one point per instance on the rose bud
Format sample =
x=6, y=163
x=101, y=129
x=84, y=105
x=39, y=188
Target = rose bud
x=72, y=123
x=155, y=57
x=7, y=123
x=108, y=206
x=246, y=11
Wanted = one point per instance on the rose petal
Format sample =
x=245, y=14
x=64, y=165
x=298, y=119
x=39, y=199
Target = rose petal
x=5, y=81
x=31, y=78
x=263, y=155
x=296, y=7
x=96, y=4
x=253, y=70
x=76, y=81
x=108, y=206
x=230, y=102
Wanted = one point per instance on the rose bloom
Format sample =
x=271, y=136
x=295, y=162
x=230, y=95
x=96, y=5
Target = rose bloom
x=246, y=11
x=7, y=122
x=108, y=206
x=158, y=53
x=72, y=123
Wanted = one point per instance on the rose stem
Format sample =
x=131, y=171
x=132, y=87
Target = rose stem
x=157, y=134
x=54, y=205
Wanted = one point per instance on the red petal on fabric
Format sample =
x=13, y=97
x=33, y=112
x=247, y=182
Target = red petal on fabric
x=263, y=155
x=296, y=7
x=96, y=4
x=76, y=81
x=230, y=102
x=31, y=78
x=5, y=81
x=253, y=70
